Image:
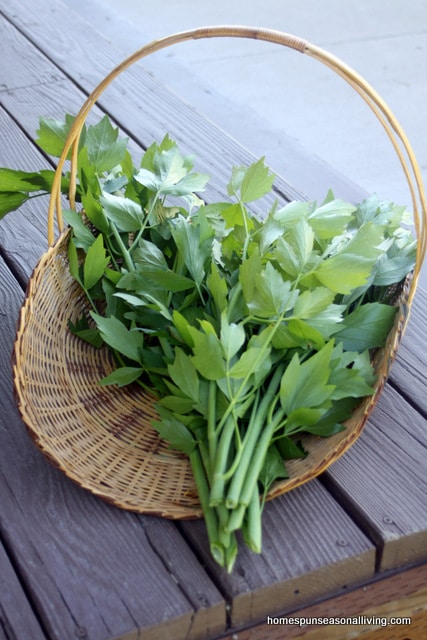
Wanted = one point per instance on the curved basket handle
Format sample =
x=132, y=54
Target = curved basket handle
x=393, y=129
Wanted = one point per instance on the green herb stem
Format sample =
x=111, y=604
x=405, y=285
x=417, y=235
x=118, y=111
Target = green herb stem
x=125, y=252
x=220, y=464
x=258, y=457
x=252, y=526
x=146, y=221
x=255, y=428
x=209, y=514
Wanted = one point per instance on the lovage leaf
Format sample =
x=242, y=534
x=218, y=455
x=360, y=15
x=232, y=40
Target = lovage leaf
x=272, y=295
x=195, y=250
x=208, y=358
x=174, y=431
x=367, y=327
x=105, y=148
x=119, y=337
x=126, y=214
x=95, y=263
x=232, y=337
x=331, y=218
x=53, y=133
x=13, y=180
x=122, y=376
x=306, y=385
x=256, y=182
x=11, y=201
x=184, y=375
x=294, y=248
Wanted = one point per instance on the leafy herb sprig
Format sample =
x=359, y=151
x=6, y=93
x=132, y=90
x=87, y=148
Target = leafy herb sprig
x=250, y=332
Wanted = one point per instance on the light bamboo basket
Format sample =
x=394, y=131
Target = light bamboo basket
x=101, y=437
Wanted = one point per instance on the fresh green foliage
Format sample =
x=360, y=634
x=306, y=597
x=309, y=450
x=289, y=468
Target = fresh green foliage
x=250, y=333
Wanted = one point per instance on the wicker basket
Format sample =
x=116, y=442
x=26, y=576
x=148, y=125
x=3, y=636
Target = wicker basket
x=101, y=437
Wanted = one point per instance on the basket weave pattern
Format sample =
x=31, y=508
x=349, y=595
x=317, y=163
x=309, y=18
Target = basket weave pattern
x=102, y=437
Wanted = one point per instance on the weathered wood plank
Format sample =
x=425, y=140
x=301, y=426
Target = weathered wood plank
x=73, y=549
x=382, y=481
x=17, y=619
x=28, y=69
x=56, y=24
x=409, y=370
x=398, y=595
x=151, y=109
x=311, y=548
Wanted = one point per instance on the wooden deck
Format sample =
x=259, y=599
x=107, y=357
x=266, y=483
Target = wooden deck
x=72, y=566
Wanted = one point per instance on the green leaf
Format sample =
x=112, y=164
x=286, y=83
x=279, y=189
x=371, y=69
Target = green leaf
x=217, y=287
x=148, y=256
x=273, y=468
x=83, y=236
x=306, y=385
x=331, y=219
x=93, y=209
x=73, y=262
x=348, y=384
x=53, y=133
x=119, y=337
x=297, y=333
x=271, y=295
x=177, y=404
x=328, y=322
x=367, y=327
x=89, y=334
x=232, y=337
x=208, y=358
x=292, y=213
x=249, y=270
x=184, y=375
x=352, y=265
x=300, y=419
x=195, y=251
x=182, y=325
x=249, y=362
x=122, y=376
x=391, y=270
x=126, y=214
x=256, y=182
x=12, y=180
x=330, y=423
x=167, y=171
x=174, y=431
x=310, y=303
x=344, y=272
x=168, y=280
x=95, y=263
x=290, y=450
x=293, y=250
x=10, y=201
x=105, y=148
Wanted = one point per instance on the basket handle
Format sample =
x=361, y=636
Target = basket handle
x=380, y=109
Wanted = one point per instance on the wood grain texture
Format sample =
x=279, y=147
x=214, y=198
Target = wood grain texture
x=17, y=619
x=152, y=109
x=409, y=370
x=400, y=594
x=382, y=481
x=311, y=548
x=28, y=67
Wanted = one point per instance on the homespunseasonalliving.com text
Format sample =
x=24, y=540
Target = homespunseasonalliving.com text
x=302, y=621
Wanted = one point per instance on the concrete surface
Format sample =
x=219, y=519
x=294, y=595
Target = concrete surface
x=262, y=93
